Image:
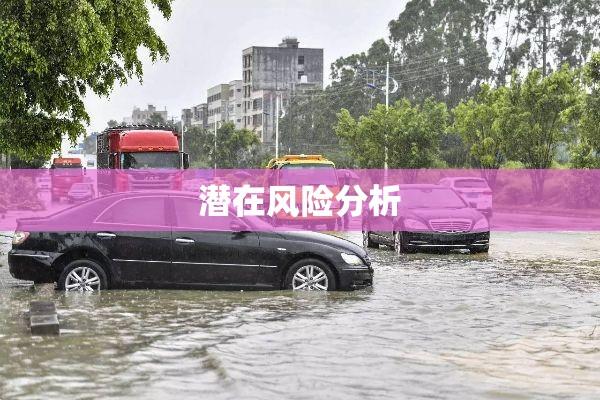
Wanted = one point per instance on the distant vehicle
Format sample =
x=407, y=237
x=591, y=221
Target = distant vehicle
x=432, y=218
x=475, y=191
x=318, y=170
x=141, y=148
x=81, y=192
x=178, y=254
x=64, y=173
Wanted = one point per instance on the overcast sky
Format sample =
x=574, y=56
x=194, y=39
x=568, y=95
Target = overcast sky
x=206, y=39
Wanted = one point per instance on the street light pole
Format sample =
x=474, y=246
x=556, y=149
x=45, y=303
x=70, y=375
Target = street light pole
x=215, y=149
x=277, y=100
x=182, y=133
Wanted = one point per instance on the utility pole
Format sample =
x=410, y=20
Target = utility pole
x=387, y=108
x=545, y=42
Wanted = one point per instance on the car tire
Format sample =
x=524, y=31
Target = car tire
x=399, y=246
x=479, y=250
x=368, y=242
x=95, y=276
x=295, y=277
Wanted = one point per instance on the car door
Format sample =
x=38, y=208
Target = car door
x=142, y=255
x=210, y=257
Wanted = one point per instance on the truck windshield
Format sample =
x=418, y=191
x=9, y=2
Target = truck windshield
x=308, y=174
x=154, y=159
x=67, y=171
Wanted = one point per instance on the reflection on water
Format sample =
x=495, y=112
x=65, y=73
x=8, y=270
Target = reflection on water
x=518, y=323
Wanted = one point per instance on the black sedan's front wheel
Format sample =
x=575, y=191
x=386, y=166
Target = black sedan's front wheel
x=368, y=242
x=310, y=275
x=83, y=276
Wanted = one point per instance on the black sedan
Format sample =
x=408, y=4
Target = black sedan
x=163, y=256
x=432, y=218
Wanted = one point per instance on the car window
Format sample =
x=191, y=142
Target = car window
x=187, y=212
x=144, y=211
x=471, y=184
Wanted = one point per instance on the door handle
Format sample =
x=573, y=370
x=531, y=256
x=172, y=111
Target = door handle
x=184, y=241
x=106, y=235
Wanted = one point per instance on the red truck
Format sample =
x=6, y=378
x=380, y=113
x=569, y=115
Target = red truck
x=65, y=172
x=147, y=154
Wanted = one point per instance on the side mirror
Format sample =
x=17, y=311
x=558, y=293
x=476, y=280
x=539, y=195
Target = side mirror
x=185, y=160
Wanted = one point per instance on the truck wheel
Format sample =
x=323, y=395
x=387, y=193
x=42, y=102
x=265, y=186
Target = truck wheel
x=83, y=276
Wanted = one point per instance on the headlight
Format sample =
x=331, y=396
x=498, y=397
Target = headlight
x=481, y=225
x=414, y=225
x=19, y=237
x=352, y=259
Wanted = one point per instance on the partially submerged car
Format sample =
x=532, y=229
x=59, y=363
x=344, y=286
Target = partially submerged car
x=166, y=248
x=474, y=191
x=81, y=192
x=432, y=218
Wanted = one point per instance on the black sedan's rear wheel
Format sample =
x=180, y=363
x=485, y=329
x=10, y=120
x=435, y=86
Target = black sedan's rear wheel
x=310, y=275
x=83, y=276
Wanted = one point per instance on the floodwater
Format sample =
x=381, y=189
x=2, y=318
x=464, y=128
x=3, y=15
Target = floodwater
x=519, y=323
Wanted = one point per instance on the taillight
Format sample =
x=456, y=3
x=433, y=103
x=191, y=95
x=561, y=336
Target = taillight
x=19, y=237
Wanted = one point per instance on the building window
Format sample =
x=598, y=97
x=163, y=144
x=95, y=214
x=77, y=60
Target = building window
x=300, y=74
x=300, y=60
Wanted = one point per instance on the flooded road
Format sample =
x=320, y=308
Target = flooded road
x=519, y=323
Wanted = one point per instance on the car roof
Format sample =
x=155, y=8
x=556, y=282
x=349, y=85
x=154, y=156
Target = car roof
x=422, y=186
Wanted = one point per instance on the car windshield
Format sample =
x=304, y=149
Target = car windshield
x=471, y=184
x=308, y=174
x=150, y=160
x=431, y=198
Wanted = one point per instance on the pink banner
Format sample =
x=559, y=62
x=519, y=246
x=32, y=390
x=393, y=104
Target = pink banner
x=320, y=198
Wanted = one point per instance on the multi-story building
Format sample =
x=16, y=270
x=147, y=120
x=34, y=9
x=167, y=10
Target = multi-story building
x=269, y=72
x=200, y=115
x=235, y=101
x=139, y=116
x=217, y=100
x=186, y=116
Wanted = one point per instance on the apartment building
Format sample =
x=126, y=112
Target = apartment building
x=269, y=72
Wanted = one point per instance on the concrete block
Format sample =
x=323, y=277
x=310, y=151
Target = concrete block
x=43, y=319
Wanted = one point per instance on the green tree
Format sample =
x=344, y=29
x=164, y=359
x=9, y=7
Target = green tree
x=484, y=126
x=440, y=49
x=112, y=123
x=412, y=134
x=586, y=153
x=540, y=119
x=235, y=148
x=571, y=33
x=53, y=52
x=156, y=119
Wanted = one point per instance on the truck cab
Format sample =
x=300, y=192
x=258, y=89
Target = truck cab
x=148, y=157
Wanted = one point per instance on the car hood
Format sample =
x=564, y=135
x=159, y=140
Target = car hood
x=325, y=239
x=445, y=213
